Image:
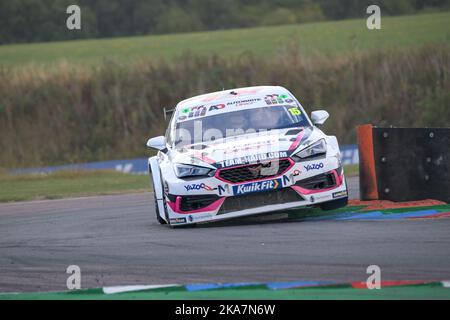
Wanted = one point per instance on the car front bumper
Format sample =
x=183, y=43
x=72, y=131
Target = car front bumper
x=208, y=202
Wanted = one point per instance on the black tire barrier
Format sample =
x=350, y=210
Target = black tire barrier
x=404, y=164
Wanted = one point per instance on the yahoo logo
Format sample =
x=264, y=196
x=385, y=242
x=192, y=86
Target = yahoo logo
x=198, y=187
x=314, y=166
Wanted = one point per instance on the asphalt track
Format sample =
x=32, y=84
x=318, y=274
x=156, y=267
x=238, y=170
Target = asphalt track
x=115, y=240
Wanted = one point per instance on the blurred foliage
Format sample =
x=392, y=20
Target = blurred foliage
x=106, y=112
x=45, y=20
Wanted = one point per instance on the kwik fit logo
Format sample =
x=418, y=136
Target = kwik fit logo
x=257, y=186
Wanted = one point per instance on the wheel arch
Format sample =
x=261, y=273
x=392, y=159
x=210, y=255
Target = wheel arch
x=155, y=175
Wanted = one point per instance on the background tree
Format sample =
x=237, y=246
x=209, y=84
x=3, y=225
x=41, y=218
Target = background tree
x=44, y=20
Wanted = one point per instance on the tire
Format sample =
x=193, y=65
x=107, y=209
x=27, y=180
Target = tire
x=158, y=217
x=335, y=204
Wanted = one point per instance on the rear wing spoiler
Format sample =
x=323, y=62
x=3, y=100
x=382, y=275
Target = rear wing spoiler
x=168, y=113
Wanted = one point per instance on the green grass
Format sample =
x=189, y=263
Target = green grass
x=333, y=38
x=66, y=184
x=351, y=170
x=338, y=292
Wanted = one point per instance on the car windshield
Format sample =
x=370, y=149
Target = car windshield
x=229, y=124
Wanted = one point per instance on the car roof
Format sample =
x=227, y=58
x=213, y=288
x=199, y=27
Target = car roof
x=232, y=95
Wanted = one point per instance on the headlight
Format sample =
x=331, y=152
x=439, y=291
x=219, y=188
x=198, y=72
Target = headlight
x=318, y=148
x=185, y=170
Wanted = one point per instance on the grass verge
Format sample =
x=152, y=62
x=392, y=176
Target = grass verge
x=329, y=38
x=338, y=292
x=351, y=170
x=66, y=184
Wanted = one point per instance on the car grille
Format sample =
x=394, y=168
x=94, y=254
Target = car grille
x=245, y=173
x=260, y=199
x=191, y=203
x=322, y=181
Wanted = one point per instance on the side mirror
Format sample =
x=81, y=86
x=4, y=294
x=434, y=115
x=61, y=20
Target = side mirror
x=158, y=143
x=319, y=117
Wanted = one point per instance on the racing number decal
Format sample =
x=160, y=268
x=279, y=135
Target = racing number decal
x=295, y=111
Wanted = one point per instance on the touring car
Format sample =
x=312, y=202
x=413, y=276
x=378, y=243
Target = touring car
x=242, y=152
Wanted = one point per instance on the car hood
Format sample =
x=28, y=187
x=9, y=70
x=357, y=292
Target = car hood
x=247, y=148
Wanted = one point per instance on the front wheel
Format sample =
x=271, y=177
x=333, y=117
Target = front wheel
x=158, y=217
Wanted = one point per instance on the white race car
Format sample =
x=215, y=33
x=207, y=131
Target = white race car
x=243, y=152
